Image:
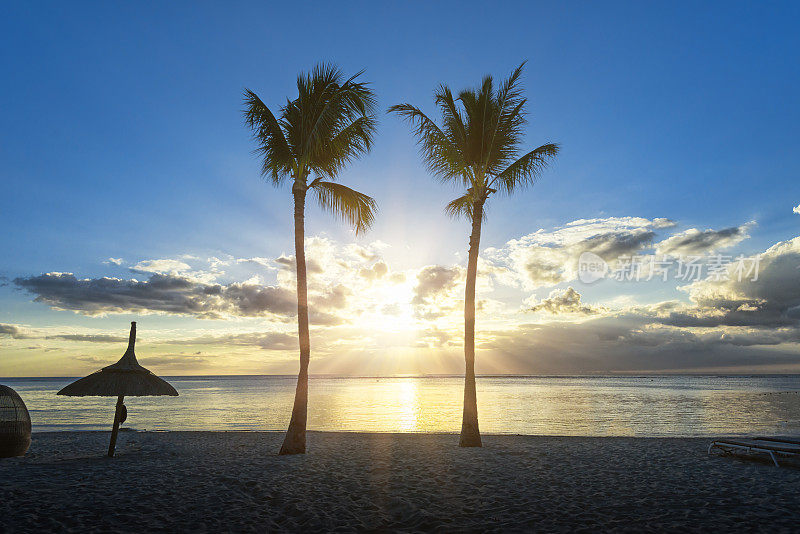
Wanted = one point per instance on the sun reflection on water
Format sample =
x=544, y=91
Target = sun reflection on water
x=408, y=405
x=602, y=406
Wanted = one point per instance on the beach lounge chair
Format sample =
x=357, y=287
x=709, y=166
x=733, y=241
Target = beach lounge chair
x=776, y=448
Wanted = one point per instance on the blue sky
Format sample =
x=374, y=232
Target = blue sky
x=123, y=138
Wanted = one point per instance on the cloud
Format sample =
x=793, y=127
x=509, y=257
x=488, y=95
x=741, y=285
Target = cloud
x=373, y=311
x=562, y=302
x=433, y=338
x=16, y=333
x=744, y=297
x=349, y=287
x=696, y=242
x=12, y=331
x=183, y=361
x=266, y=341
x=161, y=266
x=262, y=262
x=378, y=270
x=176, y=295
x=435, y=280
x=439, y=290
x=609, y=345
x=287, y=263
x=114, y=261
x=546, y=258
x=730, y=323
x=335, y=298
x=90, y=338
x=96, y=360
x=796, y=209
x=161, y=293
x=175, y=360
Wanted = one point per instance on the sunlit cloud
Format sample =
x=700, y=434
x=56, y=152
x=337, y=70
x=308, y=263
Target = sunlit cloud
x=370, y=318
x=161, y=266
x=562, y=302
x=546, y=258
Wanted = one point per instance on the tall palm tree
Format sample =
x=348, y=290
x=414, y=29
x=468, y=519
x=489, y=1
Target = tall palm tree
x=477, y=147
x=329, y=124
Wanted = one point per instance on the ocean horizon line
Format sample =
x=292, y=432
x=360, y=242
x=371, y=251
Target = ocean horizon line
x=493, y=375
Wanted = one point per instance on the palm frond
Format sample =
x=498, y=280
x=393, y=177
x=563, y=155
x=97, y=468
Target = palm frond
x=451, y=116
x=350, y=143
x=506, y=122
x=464, y=206
x=440, y=155
x=526, y=169
x=353, y=207
x=267, y=131
x=330, y=107
x=460, y=207
x=479, y=140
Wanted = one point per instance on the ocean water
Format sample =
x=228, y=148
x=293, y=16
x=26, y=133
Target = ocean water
x=571, y=406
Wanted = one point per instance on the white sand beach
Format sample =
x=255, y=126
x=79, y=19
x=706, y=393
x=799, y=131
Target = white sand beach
x=234, y=481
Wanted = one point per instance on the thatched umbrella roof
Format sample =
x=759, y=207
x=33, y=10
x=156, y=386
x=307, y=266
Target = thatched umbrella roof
x=124, y=378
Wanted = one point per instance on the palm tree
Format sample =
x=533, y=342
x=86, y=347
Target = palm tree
x=477, y=146
x=329, y=124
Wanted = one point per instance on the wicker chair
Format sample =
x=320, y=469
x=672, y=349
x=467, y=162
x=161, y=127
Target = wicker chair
x=15, y=424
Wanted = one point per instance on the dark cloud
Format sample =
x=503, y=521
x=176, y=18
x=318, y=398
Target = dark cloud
x=12, y=331
x=160, y=293
x=615, y=244
x=567, y=301
x=613, y=345
x=730, y=324
x=697, y=242
x=771, y=300
x=722, y=315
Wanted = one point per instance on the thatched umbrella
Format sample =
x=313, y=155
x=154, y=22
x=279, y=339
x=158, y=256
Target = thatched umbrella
x=124, y=378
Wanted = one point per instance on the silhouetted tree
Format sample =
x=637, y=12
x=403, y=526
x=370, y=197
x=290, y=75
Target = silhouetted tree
x=329, y=124
x=477, y=147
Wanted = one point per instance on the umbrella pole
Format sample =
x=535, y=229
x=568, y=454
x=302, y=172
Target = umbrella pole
x=115, y=430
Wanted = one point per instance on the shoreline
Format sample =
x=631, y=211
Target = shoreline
x=127, y=430
x=353, y=481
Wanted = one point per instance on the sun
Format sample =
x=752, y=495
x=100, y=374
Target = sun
x=393, y=302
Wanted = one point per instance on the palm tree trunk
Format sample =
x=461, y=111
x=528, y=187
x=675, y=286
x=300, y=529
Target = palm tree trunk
x=295, y=440
x=470, y=435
